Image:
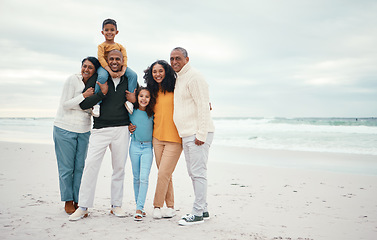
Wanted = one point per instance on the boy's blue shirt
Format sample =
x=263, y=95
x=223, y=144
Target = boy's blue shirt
x=144, y=126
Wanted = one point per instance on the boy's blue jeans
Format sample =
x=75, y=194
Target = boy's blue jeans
x=141, y=154
x=103, y=75
x=70, y=149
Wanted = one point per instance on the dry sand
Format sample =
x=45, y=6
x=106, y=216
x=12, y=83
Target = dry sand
x=281, y=195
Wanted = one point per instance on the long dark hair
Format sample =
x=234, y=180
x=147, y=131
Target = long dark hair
x=167, y=84
x=150, y=106
x=93, y=60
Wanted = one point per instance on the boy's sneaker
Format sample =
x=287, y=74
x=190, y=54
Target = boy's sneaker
x=95, y=111
x=129, y=106
x=190, y=220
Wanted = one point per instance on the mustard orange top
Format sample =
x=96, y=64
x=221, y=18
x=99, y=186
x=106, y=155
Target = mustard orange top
x=164, y=128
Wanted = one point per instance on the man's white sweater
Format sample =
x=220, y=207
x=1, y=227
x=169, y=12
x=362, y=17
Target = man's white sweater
x=70, y=116
x=191, y=104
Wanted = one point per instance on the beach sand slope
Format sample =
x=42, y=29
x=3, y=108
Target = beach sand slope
x=245, y=201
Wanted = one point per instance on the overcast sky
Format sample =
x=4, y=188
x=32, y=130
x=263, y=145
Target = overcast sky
x=291, y=58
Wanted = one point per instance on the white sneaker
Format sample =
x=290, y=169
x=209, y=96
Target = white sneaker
x=95, y=111
x=129, y=106
x=118, y=211
x=78, y=214
x=157, y=213
x=169, y=213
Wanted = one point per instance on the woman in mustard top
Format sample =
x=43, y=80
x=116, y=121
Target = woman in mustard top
x=160, y=79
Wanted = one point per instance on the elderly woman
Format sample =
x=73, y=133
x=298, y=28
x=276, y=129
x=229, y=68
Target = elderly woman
x=71, y=132
x=160, y=80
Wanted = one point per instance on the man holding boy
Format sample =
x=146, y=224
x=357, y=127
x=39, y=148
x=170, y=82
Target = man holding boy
x=194, y=124
x=110, y=129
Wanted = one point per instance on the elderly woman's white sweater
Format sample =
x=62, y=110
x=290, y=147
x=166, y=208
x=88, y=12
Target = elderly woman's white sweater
x=191, y=104
x=70, y=116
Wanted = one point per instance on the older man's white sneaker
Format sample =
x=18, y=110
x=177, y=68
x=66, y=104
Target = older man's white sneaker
x=78, y=214
x=118, y=211
x=169, y=213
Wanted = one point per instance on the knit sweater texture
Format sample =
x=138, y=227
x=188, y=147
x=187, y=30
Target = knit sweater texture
x=191, y=104
x=69, y=115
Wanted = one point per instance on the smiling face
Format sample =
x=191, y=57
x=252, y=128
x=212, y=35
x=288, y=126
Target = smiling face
x=177, y=60
x=143, y=99
x=115, y=61
x=158, y=73
x=87, y=70
x=109, y=31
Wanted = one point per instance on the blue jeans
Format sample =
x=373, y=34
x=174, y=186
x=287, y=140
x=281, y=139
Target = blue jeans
x=70, y=149
x=103, y=75
x=141, y=154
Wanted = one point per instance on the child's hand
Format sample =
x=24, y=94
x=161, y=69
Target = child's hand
x=131, y=128
x=123, y=71
x=131, y=96
x=89, y=92
x=114, y=74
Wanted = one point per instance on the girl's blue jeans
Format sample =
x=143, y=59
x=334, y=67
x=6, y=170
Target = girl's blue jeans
x=141, y=154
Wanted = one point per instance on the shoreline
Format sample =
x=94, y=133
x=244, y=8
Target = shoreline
x=245, y=201
x=353, y=163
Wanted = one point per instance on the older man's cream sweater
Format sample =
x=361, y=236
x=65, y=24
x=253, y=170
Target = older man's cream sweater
x=191, y=104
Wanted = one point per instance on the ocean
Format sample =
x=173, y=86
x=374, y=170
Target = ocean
x=339, y=135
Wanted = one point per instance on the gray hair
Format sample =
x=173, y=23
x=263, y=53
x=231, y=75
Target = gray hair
x=182, y=50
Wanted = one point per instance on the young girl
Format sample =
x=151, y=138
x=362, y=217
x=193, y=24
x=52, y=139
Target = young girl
x=141, y=152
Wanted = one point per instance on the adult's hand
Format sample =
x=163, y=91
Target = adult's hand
x=131, y=128
x=89, y=92
x=104, y=87
x=131, y=96
x=198, y=142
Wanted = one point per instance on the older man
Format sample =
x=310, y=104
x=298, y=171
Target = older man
x=110, y=129
x=194, y=124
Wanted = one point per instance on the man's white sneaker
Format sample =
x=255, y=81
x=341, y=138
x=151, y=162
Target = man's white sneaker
x=95, y=111
x=78, y=214
x=169, y=213
x=157, y=213
x=129, y=106
x=190, y=220
x=118, y=211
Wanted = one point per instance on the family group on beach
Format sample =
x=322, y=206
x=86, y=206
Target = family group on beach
x=170, y=114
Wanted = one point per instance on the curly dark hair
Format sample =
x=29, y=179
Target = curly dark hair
x=167, y=84
x=150, y=106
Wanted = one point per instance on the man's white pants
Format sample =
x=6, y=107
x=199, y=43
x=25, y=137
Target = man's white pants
x=117, y=138
x=196, y=160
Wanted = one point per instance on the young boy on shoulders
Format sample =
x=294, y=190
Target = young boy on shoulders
x=109, y=31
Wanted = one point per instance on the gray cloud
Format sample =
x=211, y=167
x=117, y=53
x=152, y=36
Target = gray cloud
x=274, y=58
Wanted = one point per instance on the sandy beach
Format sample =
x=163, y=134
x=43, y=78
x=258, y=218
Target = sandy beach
x=281, y=195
